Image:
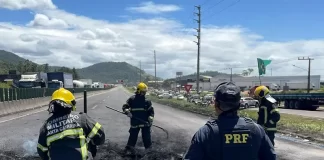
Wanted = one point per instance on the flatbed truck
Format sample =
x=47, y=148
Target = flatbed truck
x=304, y=101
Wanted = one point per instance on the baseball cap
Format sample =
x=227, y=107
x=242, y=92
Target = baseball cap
x=228, y=95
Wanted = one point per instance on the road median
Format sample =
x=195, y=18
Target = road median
x=23, y=105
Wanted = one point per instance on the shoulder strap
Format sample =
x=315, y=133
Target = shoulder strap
x=214, y=127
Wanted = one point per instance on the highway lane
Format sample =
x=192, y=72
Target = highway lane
x=17, y=133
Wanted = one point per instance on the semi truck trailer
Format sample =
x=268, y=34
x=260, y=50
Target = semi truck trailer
x=304, y=101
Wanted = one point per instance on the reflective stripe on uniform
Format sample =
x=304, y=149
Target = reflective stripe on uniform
x=71, y=132
x=265, y=114
x=271, y=129
x=274, y=110
x=93, y=132
x=41, y=147
x=271, y=122
x=137, y=109
x=138, y=126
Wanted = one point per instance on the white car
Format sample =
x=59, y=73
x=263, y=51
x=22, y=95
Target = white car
x=165, y=95
x=180, y=97
x=246, y=102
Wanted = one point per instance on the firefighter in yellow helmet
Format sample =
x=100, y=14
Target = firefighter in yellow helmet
x=66, y=134
x=140, y=107
x=268, y=112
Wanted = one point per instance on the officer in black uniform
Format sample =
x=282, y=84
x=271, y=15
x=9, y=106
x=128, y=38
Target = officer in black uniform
x=269, y=114
x=230, y=137
x=141, y=108
x=66, y=134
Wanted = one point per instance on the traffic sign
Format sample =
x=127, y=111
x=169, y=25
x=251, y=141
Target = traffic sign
x=187, y=87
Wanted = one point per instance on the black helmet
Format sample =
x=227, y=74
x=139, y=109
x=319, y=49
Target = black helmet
x=228, y=95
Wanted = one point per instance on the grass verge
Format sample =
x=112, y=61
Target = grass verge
x=312, y=128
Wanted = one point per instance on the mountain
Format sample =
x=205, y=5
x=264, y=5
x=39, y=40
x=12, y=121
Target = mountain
x=112, y=71
x=107, y=72
x=10, y=57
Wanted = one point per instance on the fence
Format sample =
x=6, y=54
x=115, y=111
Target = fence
x=10, y=94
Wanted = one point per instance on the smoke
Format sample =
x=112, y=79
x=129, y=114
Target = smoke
x=30, y=148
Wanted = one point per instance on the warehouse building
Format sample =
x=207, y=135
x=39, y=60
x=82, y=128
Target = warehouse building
x=274, y=82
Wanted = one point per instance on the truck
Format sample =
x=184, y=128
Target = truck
x=304, y=101
x=33, y=80
x=59, y=79
x=97, y=85
x=78, y=84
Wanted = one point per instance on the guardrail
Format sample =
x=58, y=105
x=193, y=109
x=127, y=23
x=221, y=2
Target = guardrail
x=11, y=94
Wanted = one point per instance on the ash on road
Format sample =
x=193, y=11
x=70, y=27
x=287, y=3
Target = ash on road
x=18, y=136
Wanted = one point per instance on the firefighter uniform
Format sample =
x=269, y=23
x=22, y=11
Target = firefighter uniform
x=268, y=112
x=229, y=136
x=67, y=134
x=141, y=108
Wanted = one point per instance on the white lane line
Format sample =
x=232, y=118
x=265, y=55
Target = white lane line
x=94, y=107
x=46, y=108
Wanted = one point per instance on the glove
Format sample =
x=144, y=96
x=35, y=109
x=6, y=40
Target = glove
x=150, y=119
x=129, y=115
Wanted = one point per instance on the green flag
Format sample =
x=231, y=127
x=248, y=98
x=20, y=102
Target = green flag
x=262, y=65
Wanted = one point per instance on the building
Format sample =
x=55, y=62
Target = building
x=249, y=82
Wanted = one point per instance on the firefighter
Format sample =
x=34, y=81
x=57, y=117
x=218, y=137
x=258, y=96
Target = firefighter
x=66, y=134
x=230, y=137
x=141, y=108
x=268, y=112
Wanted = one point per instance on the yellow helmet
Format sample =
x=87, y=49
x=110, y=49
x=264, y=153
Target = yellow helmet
x=65, y=96
x=264, y=92
x=142, y=87
x=261, y=91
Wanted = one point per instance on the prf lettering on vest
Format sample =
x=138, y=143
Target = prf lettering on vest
x=236, y=138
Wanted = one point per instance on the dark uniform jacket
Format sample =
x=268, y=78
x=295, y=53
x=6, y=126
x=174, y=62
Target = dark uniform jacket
x=268, y=115
x=141, y=108
x=228, y=138
x=67, y=136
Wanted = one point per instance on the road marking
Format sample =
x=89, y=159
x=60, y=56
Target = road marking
x=77, y=99
x=94, y=107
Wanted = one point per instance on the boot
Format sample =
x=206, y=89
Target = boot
x=129, y=150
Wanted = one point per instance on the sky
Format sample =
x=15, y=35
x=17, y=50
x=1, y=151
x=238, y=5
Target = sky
x=234, y=33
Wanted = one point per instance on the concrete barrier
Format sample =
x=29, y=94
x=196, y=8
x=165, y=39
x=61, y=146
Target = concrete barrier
x=16, y=106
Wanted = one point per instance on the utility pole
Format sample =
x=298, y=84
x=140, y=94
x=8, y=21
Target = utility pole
x=198, y=43
x=155, y=69
x=309, y=66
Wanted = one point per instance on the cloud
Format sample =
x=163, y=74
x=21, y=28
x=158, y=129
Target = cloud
x=27, y=4
x=151, y=7
x=92, y=41
x=44, y=21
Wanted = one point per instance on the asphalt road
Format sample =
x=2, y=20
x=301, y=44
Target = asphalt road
x=19, y=135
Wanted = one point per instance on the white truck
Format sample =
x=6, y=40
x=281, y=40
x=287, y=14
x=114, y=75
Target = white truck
x=78, y=84
x=97, y=85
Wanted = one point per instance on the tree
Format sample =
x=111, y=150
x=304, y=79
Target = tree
x=247, y=72
x=46, y=68
x=75, y=74
x=20, y=67
x=250, y=70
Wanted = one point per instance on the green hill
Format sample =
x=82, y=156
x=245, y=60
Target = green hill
x=107, y=72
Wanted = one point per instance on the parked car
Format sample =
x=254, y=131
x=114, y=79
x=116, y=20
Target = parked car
x=247, y=102
x=180, y=97
x=165, y=95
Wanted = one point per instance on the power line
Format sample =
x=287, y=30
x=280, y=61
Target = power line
x=206, y=1
x=215, y=4
x=232, y=4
